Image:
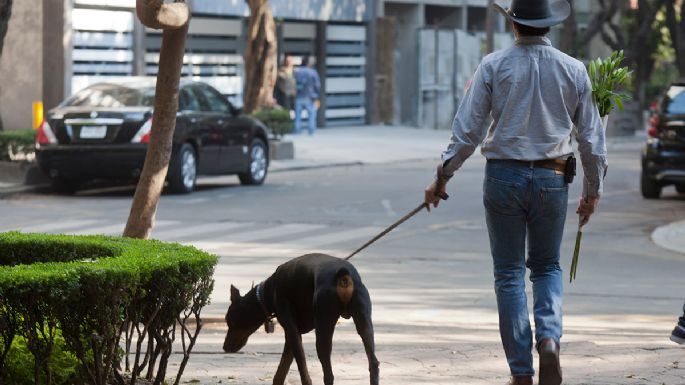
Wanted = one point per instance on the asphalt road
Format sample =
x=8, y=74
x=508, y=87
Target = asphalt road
x=430, y=280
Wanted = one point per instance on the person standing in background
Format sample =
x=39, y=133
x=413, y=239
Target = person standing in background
x=285, y=90
x=308, y=88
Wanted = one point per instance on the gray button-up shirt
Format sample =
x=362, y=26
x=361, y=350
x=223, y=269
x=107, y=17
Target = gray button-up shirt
x=539, y=99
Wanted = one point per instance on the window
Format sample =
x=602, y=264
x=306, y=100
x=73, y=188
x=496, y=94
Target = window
x=675, y=100
x=215, y=101
x=188, y=101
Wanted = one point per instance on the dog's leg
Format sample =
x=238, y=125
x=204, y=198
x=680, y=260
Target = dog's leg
x=284, y=365
x=361, y=314
x=326, y=319
x=293, y=339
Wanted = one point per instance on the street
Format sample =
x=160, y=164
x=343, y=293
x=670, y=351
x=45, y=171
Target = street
x=430, y=280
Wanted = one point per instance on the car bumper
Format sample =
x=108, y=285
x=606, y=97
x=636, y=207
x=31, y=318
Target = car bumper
x=666, y=166
x=92, y=162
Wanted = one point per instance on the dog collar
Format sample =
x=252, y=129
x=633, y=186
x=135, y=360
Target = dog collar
x=268, y=321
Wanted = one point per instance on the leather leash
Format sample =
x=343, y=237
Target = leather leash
x=390, y=228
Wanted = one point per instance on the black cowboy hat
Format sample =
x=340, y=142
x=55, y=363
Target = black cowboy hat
x=536, y=13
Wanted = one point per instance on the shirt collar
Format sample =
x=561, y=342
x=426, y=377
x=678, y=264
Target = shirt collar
x=532, y=40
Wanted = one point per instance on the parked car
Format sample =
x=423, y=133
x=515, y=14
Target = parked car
x=663, y=157
x=102, y=131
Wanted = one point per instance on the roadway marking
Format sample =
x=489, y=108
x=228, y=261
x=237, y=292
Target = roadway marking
x=206, y=228
x=337, y=237
x=118, y=228
x=58, y=227
x=273, y=232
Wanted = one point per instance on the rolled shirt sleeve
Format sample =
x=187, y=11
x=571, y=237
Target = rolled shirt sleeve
x=591, y=140
x=468, y=128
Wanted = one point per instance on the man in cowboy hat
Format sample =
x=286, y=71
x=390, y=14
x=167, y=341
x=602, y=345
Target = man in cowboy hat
x=538, y=99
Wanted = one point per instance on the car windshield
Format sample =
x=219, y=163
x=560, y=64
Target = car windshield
x=675, y=99
x=111, y=96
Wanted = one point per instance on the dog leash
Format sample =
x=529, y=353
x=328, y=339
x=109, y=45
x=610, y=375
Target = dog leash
x=438, y=193
x=389, y=229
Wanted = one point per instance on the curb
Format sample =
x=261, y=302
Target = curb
x=316, y=166
x=20, y=189
x=670, y=237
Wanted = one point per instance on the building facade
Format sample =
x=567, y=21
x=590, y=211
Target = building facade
x=56, y=47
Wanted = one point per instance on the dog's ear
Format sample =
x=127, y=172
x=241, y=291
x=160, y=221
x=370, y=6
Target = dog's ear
x=235, y=294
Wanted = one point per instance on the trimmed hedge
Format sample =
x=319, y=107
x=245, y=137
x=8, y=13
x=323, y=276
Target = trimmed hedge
x=277, y=119
x=96, y=291
x=16, y=142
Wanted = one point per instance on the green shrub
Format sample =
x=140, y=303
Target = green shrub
x=277, y=119
x=94, y=290
x=20, y=363
x=16, y=142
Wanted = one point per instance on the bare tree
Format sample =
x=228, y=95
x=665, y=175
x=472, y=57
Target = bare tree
x=173, y=19
x=573, y=41
x=260, y=56
x=676, y=29
x=639, y=40
x=5, y=14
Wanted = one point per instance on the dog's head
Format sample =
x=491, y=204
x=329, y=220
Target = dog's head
x=244, y=317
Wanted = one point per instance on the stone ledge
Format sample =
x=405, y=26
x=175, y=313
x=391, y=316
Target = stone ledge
x=281, y=150
x=27, y=173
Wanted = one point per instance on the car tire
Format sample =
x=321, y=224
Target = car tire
x=650, y=188
x=183, y=170
x=680, y=188
x=65, y=186
x=258, y=164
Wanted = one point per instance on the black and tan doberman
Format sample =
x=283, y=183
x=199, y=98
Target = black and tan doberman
x=305, y=293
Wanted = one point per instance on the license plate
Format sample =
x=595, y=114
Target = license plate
x=93, y=132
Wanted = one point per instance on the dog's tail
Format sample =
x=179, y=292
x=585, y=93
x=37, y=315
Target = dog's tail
x=345, y=289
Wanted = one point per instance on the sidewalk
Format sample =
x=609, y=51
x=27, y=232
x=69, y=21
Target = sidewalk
x=363, y=145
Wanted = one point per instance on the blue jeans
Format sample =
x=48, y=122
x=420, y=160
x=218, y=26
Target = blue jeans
x=311, y=111
x=523, y=202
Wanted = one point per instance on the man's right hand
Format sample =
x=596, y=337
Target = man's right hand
x=586, y=208
x=431, y=197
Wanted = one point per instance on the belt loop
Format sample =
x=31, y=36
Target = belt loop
x=531, y=164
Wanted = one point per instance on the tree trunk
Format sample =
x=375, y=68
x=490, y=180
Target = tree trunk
x=676, y=29
x=569, y=33
x=260, y=57
x=5, y=14
x=173, y=18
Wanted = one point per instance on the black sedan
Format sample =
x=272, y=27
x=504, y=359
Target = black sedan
x=663, y=158
x=102, y=131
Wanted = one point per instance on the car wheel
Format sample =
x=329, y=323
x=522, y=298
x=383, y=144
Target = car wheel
x=183, y=170
x=65, y=186
x=680, y=188
x=258, y=164
x=650, y=188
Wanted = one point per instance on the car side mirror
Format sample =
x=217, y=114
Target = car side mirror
x=235, y=111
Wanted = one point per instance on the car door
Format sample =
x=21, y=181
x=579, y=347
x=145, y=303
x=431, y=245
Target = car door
x=233, y=134
x=205, y=122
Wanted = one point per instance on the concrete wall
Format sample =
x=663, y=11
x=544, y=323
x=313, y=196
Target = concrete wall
x=337, y=10
x=21, y=64
x=408, y=18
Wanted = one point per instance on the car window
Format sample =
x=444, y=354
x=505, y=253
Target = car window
x=215, y=101
x=675, y=100
x=188, y=101
x=112, y=96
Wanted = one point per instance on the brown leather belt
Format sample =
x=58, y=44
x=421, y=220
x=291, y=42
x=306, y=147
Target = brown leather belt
x=553, y=164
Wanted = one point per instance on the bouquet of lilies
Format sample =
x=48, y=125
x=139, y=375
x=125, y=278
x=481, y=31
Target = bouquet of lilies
x=605, y=75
